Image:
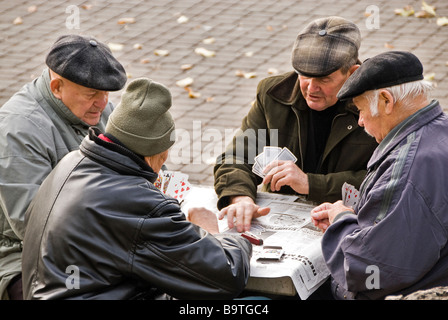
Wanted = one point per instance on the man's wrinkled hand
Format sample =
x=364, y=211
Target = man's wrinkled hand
x=204, y=218
x=286, y=173
x=323, y=215
x=241, y=211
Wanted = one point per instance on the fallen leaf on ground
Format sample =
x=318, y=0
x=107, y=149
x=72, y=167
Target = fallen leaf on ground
x=32, y=9
x=249, y=54
x=145, y=61
x=138, y=46
x=204, y=52
x=115, y=46
x=442, y=21
x=388, y=45
x=185, y=82
x=182, y=19
x=405, y=12
x=17, y=21
x=87, y=6
x=429, y=76
x=161, y=53
x=209, y=40
x=272, y=71
x=246, y=75
x=192, y=94
x=431, y=10
x=126, y=20
x=186, y=67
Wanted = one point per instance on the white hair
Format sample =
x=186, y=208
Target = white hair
x=404, y=93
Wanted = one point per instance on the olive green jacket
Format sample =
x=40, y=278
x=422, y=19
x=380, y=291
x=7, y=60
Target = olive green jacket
x=281, y=113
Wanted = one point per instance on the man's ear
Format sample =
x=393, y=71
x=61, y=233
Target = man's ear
x=388, y=99
x=55, y=87
x=353, y=68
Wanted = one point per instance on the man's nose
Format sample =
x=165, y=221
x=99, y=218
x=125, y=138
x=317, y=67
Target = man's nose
x=361, y=121
x=101, y=99
x=313, y=85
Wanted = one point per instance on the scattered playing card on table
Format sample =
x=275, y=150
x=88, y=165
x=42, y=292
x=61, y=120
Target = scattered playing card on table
x=270, y=154
x=350, y=196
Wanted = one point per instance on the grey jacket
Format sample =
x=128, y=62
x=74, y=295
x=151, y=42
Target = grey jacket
x=397, y=242
x=36, y=131
x=99, y=213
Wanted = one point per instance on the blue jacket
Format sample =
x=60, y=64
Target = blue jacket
x=397, y=241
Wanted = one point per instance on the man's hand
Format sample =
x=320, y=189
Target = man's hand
x=286, y=173
x=243, y=209
x=323, y=215
x=204, y=218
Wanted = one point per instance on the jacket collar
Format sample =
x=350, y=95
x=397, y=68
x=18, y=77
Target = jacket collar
x=403, y=129
x=115, y=156
x=287, y=92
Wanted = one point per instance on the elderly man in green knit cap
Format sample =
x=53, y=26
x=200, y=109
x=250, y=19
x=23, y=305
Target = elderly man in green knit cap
x=98, y=228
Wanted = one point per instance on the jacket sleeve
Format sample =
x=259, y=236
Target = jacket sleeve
x=233, y=174
x=327, y=187
x=26, y=159
x=187, y=262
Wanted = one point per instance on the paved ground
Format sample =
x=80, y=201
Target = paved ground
x=250, y=36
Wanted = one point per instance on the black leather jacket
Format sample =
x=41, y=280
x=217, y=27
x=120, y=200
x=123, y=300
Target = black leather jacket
x=99, y=229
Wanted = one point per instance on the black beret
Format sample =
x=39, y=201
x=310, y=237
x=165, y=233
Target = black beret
x=382, y=71
x=324, y=46
x=87, y=62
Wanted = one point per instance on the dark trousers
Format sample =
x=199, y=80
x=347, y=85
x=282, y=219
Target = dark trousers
x=15, y=288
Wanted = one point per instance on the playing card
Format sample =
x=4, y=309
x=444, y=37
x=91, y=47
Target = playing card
x=178, y=186
x=257, y=169
x=270, y=154
x=286, y=155
x=350, y=196
x=166, y=178
x=158, y=182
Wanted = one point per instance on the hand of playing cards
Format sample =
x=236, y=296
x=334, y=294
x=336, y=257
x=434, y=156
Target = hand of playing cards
x=350, y=196
x=270, y=154
x=173, y=183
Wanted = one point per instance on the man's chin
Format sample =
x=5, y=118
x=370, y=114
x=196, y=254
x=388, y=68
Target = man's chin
x=92, y=121
x=316, y=104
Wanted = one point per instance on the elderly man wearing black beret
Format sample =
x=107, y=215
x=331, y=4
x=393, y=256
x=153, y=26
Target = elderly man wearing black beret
x=40, y=124
x=299, y=110
x=394, y=240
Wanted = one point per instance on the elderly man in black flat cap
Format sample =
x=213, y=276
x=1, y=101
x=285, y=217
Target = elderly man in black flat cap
x=394, y=240
x=40, y=124
x=299, y=110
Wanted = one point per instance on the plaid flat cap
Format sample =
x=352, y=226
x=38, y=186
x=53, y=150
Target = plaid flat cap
x=87, y=62
x=324, y=46
x=382, y=71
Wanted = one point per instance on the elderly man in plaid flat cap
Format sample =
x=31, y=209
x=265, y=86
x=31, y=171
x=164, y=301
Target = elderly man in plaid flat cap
x=301, y=108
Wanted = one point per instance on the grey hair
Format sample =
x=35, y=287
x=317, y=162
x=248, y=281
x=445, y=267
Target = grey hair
x=404, y=93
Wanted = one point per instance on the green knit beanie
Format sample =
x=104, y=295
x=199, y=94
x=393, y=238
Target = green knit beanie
x=142, y=121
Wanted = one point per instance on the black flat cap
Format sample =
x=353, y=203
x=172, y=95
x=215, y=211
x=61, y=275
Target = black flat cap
x=382, y=71
x=87, y=62
x=324, y=46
